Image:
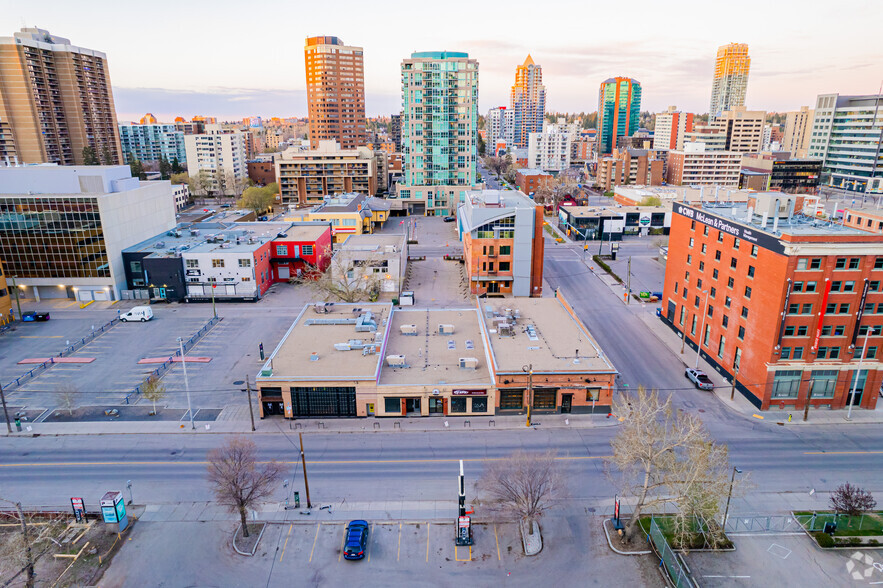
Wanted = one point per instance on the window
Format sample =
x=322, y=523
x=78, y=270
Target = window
x=786, y=384
x=844, y=309
x=797, y=287
x=593, y=394
x=741, y=333
x=720, y=346
x=815, y=263
x=878, y=263
x=750, y=271
x=802, y=264
x=458, y=404
x=505, y=266
x=717, y=255
x=801, y=331
x=810, y=286
x=705, y=230
x=696, y=302
x=875, y=330
x=874, y=285
x=306, y=249
x=705, y=337
x=789, y=331
x=725, y=321
x=754, y=251
x=748, y=292
x=840, y=263
x=245, y=262
x=217, y=263
x=511, y=399
x=704, y=248
x=720, y=237
x=871, y=353
x=676, y=287
x=192, y=262
x=824, y=383
x=686, y=277
x=869, y=307
x=245, y=279
x=135, y=267
x=733, y=262
x=880, y=308
x=831, y=308
x=692, y=225
x=835, y=285
x=849, y=286
x=684, y=293
x=701, y=266
x=854, y=262
x=693, y=325
x=281, y=251
x=714, y=274
x=699, y=283
x=793, y=308
x=736, y=242
x=479, y=404
x=806, y=309
x=544, y=398
x=730, y=282
x=744, y=312
x=826, y=330
x=710, y=311
x=798, y=353
x=712, y=292
x=691, y=241
x=786, y=352
x=689, y=259
x=683, y=310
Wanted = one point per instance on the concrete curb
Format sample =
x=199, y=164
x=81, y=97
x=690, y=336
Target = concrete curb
x=615, y=550
x=256, y=543
x=532, y=543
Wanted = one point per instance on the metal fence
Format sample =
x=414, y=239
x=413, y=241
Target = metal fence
x=680, y=577
x=816, y=521
x=754, y=523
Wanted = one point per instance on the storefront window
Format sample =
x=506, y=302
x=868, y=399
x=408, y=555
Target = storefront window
x=823, y=383
x=786, y=384
x=544, y=398
x=511, y=399
x=593, y=394
x=479, y=404
x=392, y=405
x=458, y=404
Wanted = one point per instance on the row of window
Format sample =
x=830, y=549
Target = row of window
x=841, y=263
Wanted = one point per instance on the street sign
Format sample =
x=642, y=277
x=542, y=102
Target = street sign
x=79, y=508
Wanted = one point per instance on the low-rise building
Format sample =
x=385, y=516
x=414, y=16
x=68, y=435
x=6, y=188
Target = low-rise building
x=307, y=177
x=502, y=234
x=348, y=214
x=529, y=180
x=781, y=172
x=639, y=195
x=610, y=224
x=63, y=228
x=696, y=165
x=870, y=220
x=181, y=192
x=629, y=166
x=262, y=169
x=376, y=261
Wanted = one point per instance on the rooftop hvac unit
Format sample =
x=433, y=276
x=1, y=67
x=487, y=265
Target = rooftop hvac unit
x=194, y=232
x=395, y=360
x=160, y=244
x=468, y=363
x=408, y=329
x=506, y=330
x=446, y=329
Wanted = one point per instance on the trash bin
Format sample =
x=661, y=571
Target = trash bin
x=830, y=528
x=659, y=312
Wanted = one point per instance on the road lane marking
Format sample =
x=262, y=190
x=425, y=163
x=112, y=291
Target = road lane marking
x=39, y=336
x=497, y=540
x=286, y=541
x=399, y=552
x=316, y=538
x=840, y=452
x=321, y=462
x=427, y=542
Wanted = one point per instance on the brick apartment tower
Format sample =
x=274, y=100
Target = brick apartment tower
x=335, y=92
x=55, y=100
x=730, y=78
x=528, y=101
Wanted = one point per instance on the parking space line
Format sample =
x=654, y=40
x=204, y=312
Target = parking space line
x=342, y=544
x=316, y=538
x=457, y=556
x=427, y=541
x=368, y=546
x=286, y=541
x=497, y=540
x=399, y=552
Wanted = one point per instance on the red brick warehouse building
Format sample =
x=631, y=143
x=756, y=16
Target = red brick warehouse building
x=783, y=299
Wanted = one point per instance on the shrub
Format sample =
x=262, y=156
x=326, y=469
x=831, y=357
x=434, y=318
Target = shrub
x=824, y=540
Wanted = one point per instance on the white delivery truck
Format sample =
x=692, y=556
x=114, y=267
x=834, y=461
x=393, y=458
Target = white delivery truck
x=138, y=313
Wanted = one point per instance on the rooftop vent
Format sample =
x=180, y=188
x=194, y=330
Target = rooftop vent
x=396, y=361
x=408, y=329
x=446, y=329
x=468, y=363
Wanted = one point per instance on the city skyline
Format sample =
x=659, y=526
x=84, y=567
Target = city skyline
x=179, y=76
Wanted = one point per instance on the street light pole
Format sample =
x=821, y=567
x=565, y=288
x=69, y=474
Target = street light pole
x=529, y=369
x=186, y=381
x=702, y=330
x=17, y=301
x=303, y=460
x=730, y=495
x=858, y=373
x=5, y=410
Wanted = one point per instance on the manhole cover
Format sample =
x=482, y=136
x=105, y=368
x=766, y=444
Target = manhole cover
x=701, y=410
x=238, y=382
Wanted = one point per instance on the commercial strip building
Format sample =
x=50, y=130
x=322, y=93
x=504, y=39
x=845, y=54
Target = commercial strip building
x=152, y=142
x=778, y=171
x=668, y=195
x=731, y=67
x=619, y=111
x=798, y=131
x=224, y=261
x=630, y=166
x=307, y=177
x=393, y=362
x=550, y=150
x=696, y=165
x=847, y=135
x=348, y=214
x=335, y=92
x=780, y=298
x=219, y=155
x=585, y=223
x=55, y=102
x=439, y=123
x=63, y=228
x=671, y=129
x=527, y=100
x=502, y=235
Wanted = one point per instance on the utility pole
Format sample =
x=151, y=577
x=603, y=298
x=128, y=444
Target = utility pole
x=28, y=555
x=684, y=333
x=628, y=282
x=214, y=312
x=303, y=461
x=733, y=389
x=5, y=410
x=808, y=398
x=850, y=398
x=250, y=409
x=529, y=369
x=186, y=381
x=701, y=329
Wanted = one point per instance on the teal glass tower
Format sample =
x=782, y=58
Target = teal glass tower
x=619, y=111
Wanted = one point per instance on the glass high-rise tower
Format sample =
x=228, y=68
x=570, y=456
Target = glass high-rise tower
x=619, y=111
x=439, y=124
x=730, y=78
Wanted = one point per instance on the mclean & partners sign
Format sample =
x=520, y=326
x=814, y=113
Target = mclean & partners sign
x=730, y=227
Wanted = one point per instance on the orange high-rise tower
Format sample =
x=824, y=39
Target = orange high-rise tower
x=335, y=92
x=730, y=78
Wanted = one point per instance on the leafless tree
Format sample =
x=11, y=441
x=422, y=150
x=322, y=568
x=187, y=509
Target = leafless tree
x=852, y=500
x=152, y=389
x=20, y=551
x=665, y=456
x=201, y=183
x=237, y=480
x=550, y=192
x=67, y=396
x=521, y=485
x=352, y=276
x=497, y=164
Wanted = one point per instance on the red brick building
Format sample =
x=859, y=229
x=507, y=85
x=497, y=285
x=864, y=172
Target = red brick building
x=303, y=246
x=782, y=299
x=262, y=172
x=529, y=180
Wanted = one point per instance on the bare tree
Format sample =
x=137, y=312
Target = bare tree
x=67, y=396
x=20, y=551
x=521, y=485
x=237, y=480
x=497, y=164
x=551, y=191
x=201, y=183
x=661, y=455
x=152, y=389
x=352, y=275
x=852, y=500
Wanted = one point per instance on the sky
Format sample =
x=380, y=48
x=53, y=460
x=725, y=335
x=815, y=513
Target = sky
x=234, y=59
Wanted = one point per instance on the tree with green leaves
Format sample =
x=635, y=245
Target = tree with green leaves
x=106, y=157
x=176, y=166
x=257, y=199
x=165, y=168
x=89, y=156
x=135, y=165
x=152, y=389
x=180, y=178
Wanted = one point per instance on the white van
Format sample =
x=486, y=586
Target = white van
x=138, y=313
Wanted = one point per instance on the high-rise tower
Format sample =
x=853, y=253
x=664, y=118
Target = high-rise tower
x=335, y=92
x=56, y=104
x=528, y=101
x=730, y=78
x=619, y=111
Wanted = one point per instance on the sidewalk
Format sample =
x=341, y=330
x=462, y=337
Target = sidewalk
x=240, y=423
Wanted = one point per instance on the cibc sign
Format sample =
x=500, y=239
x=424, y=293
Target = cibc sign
x=730, y=227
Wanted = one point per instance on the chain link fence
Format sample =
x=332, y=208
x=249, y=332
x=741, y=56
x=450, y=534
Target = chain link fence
x=679, y=575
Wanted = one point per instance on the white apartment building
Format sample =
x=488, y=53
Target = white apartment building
x=743, y=129
x=550, y=150
x=697, y=166
x=671, y=129
x=221, y=153
x=798, y=128
x=500, y=124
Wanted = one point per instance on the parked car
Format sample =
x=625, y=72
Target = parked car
x=450, y=219
x=356, y=540
x=34, y=315
x=138, y=313
x=699, y=378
